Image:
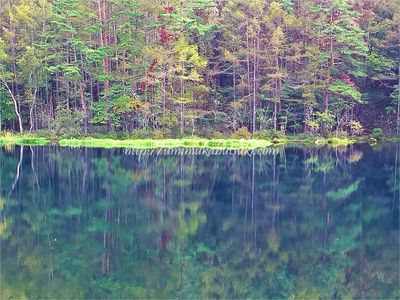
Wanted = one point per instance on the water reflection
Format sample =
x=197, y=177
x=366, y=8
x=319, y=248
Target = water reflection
x=294, y=223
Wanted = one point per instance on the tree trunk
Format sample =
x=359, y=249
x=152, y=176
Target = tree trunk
x=248, y=69
x=253, y=125
x=104, y=42
x=84, y=108
x=182, y=105
x=15, y=102
x=398, y=99
x=31, y=117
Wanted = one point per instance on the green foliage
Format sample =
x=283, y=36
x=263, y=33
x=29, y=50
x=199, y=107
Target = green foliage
x=159, y=135
x=22, y=140
x=392, y=108
x=263, y=134
x=345, y=90
x=380, y=67
x=67, y=123
x=6, y=106
x=377, y=134
x=100, y=113
x=325, y=120
x=194, y=68
x=241, y=133
x=169, y=120
x=223, y=144
x=142, y=134
x=218, y=135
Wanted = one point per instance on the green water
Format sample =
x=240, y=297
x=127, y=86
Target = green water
x=282, y=223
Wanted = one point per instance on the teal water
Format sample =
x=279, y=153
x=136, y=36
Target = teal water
x=114, y=224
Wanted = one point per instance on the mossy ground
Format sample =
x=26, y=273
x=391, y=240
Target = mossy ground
x=315, y=141
x=322, y=141
x=167, y=143
x=23, y=140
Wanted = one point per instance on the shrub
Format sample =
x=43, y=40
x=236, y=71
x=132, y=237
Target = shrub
x=377, y=133
x=159, y=135
x=241, y=133
x=217, y=135
x=141, y=134
x=325, y=119
x=279, y=134
x=67, y=123
x=356, y=127
x=169, y=120
x=108, y=135
x=263, y=135
x=340, y=134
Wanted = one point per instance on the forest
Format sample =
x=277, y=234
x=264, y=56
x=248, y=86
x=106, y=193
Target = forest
x=209, y=68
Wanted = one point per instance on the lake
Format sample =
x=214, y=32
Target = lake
x=303, y=223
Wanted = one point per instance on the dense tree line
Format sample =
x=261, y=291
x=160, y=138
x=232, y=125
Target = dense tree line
x=202, y=67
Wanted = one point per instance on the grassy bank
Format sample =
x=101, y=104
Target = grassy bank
x=166, y=143
x=23, y=140
x=312, y=141
x=320, y=141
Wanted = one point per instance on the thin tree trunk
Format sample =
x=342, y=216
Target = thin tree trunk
x=248, y=68
x=253, y=126
x=104, y=42
x=15, y=102
x=331, y=64
x=182, y=95
x=398, y=99
x=84, y=107
x=31, y=110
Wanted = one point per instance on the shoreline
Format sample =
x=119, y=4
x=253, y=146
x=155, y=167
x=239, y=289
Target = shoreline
x=200, y=143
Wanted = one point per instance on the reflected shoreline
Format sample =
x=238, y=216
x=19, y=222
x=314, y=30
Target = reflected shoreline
x=296, y=223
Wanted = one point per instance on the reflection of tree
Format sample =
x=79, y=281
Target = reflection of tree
x=306, y=247
x=301, y=224
x=102, y=223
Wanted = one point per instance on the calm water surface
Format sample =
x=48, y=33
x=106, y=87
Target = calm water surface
x=112, y=224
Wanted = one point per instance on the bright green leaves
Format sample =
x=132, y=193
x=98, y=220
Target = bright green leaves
x=259, y=64
x=380, y=67
x=191, y=16
x=342, y=89
x=114, y=109
x=169, y=120
x=3, y=53
x=100, y=113
x=69, y=72
x=188, y=55
x=5, y=74
x=67, y=123
x=6, y=106
x=32, y=68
